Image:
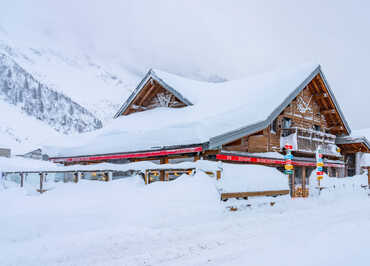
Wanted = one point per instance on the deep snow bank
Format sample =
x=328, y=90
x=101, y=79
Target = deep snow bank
x=338, y=185
x=247, y=178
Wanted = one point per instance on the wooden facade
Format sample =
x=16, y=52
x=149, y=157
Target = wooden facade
x=311, y=116
x=151, y=96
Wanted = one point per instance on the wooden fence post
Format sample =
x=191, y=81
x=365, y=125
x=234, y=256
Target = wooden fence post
x=292, y=184
x=76, y=177
x=166, y=176
x=303, y=181
x=41, y=181
x=22, y=179
x=110, y=176
x=161, y=172
x=218, y=174
x=79, y=176
x=146, y=177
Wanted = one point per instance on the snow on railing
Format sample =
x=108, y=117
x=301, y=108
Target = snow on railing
x=307, y=140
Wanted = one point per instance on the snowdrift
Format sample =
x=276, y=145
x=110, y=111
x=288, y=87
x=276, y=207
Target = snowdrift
x=249, y=178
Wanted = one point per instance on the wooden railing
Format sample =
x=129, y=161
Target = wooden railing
x=309, y=140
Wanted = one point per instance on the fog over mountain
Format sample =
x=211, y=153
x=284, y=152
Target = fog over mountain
x=95, y=51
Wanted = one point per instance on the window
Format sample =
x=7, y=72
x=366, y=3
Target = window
x=287, y=122
x=274, y=127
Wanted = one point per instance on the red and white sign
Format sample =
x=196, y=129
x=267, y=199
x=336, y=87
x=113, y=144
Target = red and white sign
x=127, y=155
x=258, y=160
x=288, y=147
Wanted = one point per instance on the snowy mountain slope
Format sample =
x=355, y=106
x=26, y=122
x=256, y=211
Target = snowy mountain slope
x=34, y=98
x=20, y=132
x=73, y=72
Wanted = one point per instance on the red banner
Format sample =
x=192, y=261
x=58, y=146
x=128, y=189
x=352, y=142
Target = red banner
x=258, y=160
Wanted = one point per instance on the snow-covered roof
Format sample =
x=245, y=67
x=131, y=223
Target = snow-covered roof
x=17, y=164
x=357, y=136
x=217, y=113
x=353, y=139
x=361, y=136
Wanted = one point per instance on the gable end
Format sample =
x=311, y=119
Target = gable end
x=228, y=137
x=156, y=84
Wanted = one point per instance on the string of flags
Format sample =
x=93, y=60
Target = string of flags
x=288, y=159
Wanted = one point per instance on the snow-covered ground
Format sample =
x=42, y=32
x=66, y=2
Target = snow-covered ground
x=182, y=222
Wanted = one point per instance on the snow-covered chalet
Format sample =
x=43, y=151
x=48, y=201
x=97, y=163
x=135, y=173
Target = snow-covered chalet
x=169, y=118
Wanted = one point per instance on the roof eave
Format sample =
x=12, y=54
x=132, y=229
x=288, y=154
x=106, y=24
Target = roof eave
x=351, y=140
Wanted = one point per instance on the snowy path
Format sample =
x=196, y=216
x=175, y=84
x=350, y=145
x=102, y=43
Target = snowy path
x=331, y=230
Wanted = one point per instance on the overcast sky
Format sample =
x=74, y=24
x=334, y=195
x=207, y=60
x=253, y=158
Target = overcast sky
x=231, y=39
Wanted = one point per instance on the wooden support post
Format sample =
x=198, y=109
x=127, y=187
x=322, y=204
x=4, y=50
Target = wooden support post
x=164, y=160
x=146, y=177
x=304, y=182
x=22, y=179
x=292, y=185
x=166, y=176
x=161, y=175
x=75, y=177
x=161, y=172
x=41, y=182
x=218, y=174
x=110, y=176
x=368, y=176
x=105, y=177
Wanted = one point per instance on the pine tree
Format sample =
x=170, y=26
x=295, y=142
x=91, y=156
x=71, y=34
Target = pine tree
x=20, y=96
x=26, y=85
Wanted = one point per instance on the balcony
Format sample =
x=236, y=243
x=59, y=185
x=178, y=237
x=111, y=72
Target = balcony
x=308, y=141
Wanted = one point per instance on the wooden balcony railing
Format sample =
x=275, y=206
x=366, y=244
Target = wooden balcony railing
x=309, y=140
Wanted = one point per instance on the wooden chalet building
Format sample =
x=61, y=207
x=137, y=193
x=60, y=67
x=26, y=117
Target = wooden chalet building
x=169, y=118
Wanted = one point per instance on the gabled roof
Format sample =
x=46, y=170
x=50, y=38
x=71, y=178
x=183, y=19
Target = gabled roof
x=150, y=75
x=217, y=113
x=250, y=129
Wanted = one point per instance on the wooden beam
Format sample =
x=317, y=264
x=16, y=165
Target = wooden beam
x=336, y=128
x=318, y=96
x=329, y=111
x=321, y=84
x=225, y=196
x=151, y=88
x=315, y=86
